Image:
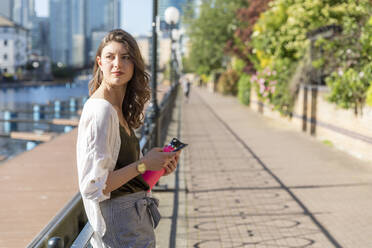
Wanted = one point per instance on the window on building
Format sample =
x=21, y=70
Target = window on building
x=5, y=70
x=5, y=42
x=5, y=56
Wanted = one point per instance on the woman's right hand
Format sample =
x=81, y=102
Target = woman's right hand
x=156, y=159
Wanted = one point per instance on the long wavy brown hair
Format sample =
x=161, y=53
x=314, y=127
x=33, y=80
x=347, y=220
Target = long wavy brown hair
x=138, y=90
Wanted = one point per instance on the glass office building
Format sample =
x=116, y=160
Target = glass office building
x=74, y=23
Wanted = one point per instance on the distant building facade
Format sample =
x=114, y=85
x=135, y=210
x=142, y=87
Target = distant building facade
x=144, y=43
x=164, y=52
x=77, y=25
x=78, y=40
x=40, y=39
x=6, y=8
x=13, y=46
x=21, y=12
x=60, y=31
x=95, y=40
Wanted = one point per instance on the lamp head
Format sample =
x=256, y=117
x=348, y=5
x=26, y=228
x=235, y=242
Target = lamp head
x=171, y=15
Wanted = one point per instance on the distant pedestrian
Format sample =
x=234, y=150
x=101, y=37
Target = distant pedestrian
x=119, y=209
x=187, y=88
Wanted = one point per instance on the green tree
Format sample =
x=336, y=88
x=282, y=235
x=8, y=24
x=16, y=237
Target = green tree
x=209, y=30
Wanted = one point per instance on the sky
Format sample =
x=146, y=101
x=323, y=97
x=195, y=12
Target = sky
x=136, y=15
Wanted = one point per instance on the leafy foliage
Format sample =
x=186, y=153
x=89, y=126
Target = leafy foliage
x=348, y=89
x=228, y=83
x=244, y=89
x=265, y=83
x=63, y=72
x=280, y=42
x=350, y=56
x=240, y=45
x=209, y=32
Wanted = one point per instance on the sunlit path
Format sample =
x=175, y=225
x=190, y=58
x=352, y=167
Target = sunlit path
x=254, y=183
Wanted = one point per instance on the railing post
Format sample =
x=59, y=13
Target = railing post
x=314, y=98
x=304, y=110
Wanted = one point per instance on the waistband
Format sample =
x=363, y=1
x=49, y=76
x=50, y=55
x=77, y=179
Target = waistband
x=142, y=201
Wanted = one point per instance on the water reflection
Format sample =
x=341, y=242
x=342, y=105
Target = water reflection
x=37, y=104
x=12, y=97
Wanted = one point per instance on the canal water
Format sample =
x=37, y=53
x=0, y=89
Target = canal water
x=33, y=105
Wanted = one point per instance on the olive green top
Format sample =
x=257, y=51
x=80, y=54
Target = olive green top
x=129, y=153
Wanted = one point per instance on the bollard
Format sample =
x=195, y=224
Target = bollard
x=72, y=105
x=57, y=109
x=67, y=129
x=36, y=112
x=30, y=145
x=9, y=126
x=55, y=242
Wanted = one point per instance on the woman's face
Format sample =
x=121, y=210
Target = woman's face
x=115, y=64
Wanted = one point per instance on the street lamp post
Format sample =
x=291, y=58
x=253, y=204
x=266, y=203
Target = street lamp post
x=172, y=16
x=153, y=112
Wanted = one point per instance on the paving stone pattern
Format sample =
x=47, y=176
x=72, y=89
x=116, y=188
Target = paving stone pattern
x=234, y=201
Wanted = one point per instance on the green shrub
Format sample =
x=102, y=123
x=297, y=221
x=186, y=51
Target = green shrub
x=8, y=77
x=244, y=89
x=369, y=95
x=228, y=83
x=63, y=72
x=348, y=89
x=280, y=40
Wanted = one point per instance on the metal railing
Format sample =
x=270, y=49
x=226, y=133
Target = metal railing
x=70, y=227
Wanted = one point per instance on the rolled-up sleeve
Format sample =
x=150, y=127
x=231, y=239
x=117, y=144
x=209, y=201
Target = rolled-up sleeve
x=95, y=153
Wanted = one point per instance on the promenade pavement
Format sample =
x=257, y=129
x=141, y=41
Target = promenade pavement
x=250, y=181
x=244, y=181
x=35, y=186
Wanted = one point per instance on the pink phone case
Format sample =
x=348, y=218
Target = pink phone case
x=152, y=177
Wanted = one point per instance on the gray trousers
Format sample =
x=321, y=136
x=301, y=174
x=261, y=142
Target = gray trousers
x=130, y=221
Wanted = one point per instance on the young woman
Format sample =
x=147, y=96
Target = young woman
x=119, y=209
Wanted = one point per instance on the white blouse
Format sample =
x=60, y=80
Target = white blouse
x=97, y=148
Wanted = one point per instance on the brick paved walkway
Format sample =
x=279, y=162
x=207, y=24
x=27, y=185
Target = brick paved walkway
x=252, y=182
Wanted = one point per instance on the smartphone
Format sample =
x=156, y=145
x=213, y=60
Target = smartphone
x=174, y=146
x=180, y=147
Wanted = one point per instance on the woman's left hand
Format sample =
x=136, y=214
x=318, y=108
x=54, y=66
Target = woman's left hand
x=172, y=165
